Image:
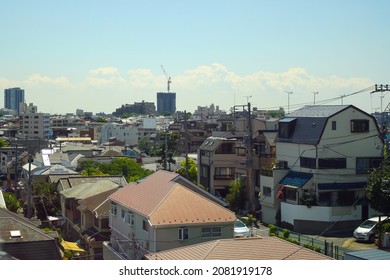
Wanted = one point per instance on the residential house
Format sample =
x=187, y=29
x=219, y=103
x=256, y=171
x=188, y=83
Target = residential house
x=239, y=153
x=220, y=161
x=73, y=189
x=94, y=224
x=22, y=238
x=253, y=248
x=324, y=154
x=159, y=213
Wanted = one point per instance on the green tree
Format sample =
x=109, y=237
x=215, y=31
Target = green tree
x=192, y=170
x=12, y=203
x=236, y=195
x=378, y=188
x=3, y=143
x=101, y=120
x=126, y=167
x=46, y=200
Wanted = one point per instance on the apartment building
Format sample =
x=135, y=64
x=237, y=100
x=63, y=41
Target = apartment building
x=34, y=125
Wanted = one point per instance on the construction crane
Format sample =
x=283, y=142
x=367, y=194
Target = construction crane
x=168, y=78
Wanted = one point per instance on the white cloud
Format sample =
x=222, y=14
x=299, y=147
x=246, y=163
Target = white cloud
x=109, y=70
x=104, y=89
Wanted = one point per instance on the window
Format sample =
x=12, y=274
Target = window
x=130, y=218
x=145, y=225
x=224, y=173
x=359, y=126
x=211, y=232
x=308, y=162
x=114, y=209
x=365, y=165
x=333, y=125
x=291, y=194
x=183, y=233
x=205, y=171
x=286, y=127
x=325, y=198
x=225, y=148
x=332, y=163
x=123, y=214
x=267, y=191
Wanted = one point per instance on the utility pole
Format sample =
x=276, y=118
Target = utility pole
x=381, y=89
x=249, y=161
x=166, y=152
x=186, y=142
x=29, y=190
x=315, y=93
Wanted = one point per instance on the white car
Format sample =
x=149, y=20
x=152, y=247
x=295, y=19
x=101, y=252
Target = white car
x=240, y=229
x=368, y=229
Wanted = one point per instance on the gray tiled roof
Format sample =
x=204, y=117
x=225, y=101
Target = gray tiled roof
x=33, y=243
x=317, y=111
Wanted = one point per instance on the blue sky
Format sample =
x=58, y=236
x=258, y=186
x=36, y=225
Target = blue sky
x=97, y=55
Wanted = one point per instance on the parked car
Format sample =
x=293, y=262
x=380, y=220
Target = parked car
x=240, y=229
x=368, y=229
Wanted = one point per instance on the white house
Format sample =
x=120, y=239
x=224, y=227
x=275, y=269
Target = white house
x=159, y=213
x=324, y=154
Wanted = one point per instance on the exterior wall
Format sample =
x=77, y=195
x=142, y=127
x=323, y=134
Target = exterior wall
x=13, y=99
x=270, y=205
x=125, y=133
x=35, y=125
x=315, y=219
x=170, y=235
x=157, y=238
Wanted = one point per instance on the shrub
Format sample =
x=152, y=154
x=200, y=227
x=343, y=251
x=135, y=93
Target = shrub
x=286, y=233
x=272, y=229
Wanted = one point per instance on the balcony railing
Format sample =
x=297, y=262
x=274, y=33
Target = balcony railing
x=223, y=177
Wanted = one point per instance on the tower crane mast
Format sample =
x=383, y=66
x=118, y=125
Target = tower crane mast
x=169, y=81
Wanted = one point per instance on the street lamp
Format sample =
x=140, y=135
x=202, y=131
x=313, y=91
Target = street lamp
x=288, y=106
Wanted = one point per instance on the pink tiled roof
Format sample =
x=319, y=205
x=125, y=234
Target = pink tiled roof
x=269, y=248
x=166, y=202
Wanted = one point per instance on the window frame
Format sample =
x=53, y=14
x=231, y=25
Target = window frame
x=183, y=233
x=360, y=125
x=211, y=232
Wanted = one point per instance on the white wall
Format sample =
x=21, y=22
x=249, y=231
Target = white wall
x=320, y=213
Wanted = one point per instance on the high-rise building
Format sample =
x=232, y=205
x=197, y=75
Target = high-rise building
x=166, y=102
x=14, y=99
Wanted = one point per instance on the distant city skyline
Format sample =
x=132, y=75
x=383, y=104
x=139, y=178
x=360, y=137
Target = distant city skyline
x=99, y=55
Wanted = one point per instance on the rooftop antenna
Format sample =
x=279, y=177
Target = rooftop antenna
x=168, y=78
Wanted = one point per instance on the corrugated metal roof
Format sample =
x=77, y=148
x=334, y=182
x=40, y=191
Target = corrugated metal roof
x=269, y=248
x=89, y=189
x=370, y=254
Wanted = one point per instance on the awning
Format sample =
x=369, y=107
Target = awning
x=71, y=246
x=295, y=179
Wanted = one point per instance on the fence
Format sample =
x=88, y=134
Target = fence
x=318, y=245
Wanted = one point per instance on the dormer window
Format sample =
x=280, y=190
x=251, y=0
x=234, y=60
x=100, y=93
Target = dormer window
x=286, y=127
